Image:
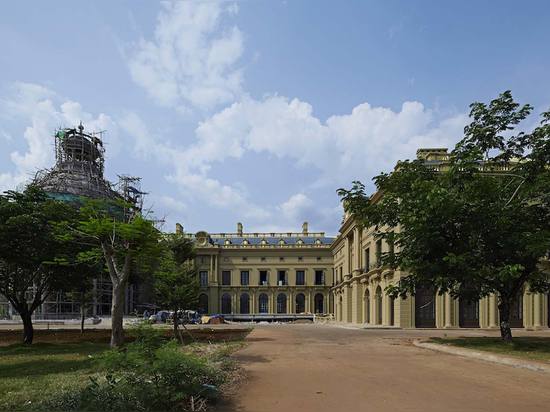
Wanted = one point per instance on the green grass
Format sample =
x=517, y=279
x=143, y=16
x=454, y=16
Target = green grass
x=527, y=347
x=29, y=372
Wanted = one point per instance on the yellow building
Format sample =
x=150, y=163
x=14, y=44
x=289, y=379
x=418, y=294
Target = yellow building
x=264, y=276
x=360, y=281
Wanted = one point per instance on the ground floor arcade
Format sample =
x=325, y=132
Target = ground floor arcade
x=361, y=299
x=277, y=300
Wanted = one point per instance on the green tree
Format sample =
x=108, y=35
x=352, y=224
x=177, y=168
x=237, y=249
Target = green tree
x=80, y=284
x=175, y=280
x=124, y=240
x=33, y=259
x=479, y=224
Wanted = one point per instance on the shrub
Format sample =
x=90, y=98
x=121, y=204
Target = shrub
x=144, y=376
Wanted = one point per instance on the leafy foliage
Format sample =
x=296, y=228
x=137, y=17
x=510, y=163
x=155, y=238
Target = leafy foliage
x=34, y=261
x=124, y=240
x=176, y=282
x=477, y=224
x=147, y=375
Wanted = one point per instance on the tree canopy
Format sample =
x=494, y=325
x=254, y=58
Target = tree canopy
x=34, y=261
x=476, y=223
x=123, y=240
x=175, y=280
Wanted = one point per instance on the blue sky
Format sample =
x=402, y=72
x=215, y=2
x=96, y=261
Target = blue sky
x=257, y=111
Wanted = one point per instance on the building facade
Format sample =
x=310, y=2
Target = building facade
x=248, y=276
x=360, y=281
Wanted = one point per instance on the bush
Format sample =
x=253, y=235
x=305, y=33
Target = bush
x=146, y=375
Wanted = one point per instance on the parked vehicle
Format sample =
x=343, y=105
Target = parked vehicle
x=160, y=317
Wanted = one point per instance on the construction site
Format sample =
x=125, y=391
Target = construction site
x=78, y=174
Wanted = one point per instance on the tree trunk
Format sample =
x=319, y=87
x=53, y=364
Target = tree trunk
x=117, y=314
x=177, y=335
x=504, y=314
x=28, y=330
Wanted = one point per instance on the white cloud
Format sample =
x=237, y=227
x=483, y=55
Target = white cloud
x=191, y=60
x=356, y=145
x=194, y=184
x=37, y=106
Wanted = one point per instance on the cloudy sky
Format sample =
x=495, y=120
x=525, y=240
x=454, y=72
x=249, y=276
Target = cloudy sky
x=257, y=111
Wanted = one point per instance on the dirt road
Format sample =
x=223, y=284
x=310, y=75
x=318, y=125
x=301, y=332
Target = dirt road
x=325, y=368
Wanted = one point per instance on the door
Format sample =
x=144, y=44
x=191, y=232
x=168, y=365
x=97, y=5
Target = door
x=468, y=316
x=424, y=307
x=516, y=312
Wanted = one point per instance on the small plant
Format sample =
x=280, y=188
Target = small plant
x=148, y=374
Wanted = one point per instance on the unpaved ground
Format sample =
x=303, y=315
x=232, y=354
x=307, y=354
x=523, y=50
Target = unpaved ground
x=326, y=368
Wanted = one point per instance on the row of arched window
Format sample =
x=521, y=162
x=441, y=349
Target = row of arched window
x=263, y=303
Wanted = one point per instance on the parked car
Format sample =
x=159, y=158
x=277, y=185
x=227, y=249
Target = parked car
x=160, y=317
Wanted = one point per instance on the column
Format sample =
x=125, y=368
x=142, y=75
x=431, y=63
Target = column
x=385, y=309
x=448, y=304
x=537, y=306
x=273, y=302
x=346, y=258
x=493, y=318
x=356, y=250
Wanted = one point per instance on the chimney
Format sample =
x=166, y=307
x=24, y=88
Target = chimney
x=240, y=229
x=179, y=228
x=304, y=228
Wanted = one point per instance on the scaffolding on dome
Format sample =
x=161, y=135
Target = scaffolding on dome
x=79, y=167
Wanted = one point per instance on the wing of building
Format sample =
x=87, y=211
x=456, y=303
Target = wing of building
x=265, y=276
x=360, y=280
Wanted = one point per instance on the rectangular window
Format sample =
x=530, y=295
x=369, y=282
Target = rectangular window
x=244, y=277
x=226, y=277
x=300, y=278
x=379, y=252
x=203, y=276
x=319, y=277
x=263, y=277
x=367, y=259
x=281, y=277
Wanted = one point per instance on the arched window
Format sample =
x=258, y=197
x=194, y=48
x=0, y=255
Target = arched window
x=203, y=303
x=281, y=303
x=245, y=304
x=340, y=309
x=367, y=306
x=319, y=301
x=378, y=305
x=300, y=303
x=226, y=303
x=263, y=302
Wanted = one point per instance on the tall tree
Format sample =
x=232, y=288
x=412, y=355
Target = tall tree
x=32, y=257
x=80, y=284
x=176, y=282
x=479, y=223
x=124, y=241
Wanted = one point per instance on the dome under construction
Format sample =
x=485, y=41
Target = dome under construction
x=78, y=169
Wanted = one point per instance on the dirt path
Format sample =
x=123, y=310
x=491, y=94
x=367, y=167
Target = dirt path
x=322, y=368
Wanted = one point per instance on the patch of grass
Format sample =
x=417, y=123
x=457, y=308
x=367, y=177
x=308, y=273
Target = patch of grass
x=27, y=373
x=527, y=347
